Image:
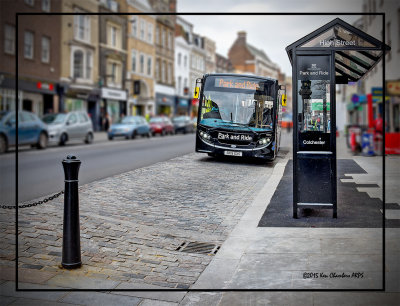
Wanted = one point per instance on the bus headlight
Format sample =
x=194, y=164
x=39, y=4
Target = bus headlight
x=204, y=135
x=264, y=141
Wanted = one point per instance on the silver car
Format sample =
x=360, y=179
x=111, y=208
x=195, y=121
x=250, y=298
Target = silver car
x=75, y=125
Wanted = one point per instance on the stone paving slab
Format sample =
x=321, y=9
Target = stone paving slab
x=99, y=299
x=132, y=224
x=36, y=302
x=81, y=282
x=167, y=296
x=202, y=298
x=8, y=289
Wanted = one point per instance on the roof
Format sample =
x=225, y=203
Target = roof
x=356, y=52
x=257, y=52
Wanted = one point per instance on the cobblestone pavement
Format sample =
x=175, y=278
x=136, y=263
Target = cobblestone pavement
x=132, y=224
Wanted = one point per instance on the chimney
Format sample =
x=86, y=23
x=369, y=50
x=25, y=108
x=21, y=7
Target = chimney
x=241, y=37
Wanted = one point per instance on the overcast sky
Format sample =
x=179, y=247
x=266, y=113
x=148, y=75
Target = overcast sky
x=270, y=33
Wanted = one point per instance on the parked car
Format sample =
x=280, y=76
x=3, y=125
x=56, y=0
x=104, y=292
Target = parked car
x=74, y=125
x=183, y=124
x=161, y=125
x=31, y=130
x=130, y=127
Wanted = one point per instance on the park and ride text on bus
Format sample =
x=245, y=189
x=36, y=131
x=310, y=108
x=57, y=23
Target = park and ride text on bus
x=239, y=115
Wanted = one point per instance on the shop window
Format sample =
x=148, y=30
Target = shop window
x=45, y=49
x=82, y=27
x=9, y=39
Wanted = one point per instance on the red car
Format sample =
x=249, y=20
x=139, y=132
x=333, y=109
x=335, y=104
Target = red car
x=161, y=125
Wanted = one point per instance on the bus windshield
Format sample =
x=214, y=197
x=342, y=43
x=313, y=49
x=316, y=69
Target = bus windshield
x=237, y=101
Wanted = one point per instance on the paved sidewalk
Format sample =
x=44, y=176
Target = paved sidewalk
x=307, y=258
x=130, y=238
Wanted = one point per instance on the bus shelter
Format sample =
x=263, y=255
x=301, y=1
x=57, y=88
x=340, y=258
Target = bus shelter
x=336, y=53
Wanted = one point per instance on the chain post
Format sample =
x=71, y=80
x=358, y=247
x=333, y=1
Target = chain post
x=71, y=249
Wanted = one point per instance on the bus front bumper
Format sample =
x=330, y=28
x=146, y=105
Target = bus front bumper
x=265, y=152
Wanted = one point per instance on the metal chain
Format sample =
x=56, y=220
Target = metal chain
x=56, y=195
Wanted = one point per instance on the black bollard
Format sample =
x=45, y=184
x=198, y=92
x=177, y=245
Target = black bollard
x=71, y=251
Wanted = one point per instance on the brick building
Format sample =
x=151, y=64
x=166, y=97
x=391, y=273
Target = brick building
x=246, y=58
x=38, y=56
x=223, y=64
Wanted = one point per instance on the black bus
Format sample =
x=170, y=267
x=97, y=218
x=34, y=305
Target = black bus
x=239, y=115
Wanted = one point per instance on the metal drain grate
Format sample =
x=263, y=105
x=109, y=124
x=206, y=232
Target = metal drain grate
x=199, y=248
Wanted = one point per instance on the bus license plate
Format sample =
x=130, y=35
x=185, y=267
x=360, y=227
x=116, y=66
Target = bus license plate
x=232, y=153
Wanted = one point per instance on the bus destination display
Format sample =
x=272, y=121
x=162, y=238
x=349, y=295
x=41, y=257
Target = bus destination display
x=236, y=83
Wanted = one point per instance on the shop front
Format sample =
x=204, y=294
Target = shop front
x=392, y=102
x=35, y=96
x=113, y=104
x=165, y=104
x=182, y=106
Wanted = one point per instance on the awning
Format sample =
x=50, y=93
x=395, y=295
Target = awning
x=356, y=52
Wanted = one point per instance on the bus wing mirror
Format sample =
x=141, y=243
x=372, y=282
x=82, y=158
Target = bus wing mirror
x=283, y=100
x=196, y=92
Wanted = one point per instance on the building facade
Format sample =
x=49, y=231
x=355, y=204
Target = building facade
x=223, y=64
x=210, y=47
x=80, y=57
x=38, y=56
x=141, y=58
x=197, y=60
x=165, y=55
x=112, y=61
x=182, y=76
x=373, y=26
x=246, y=58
